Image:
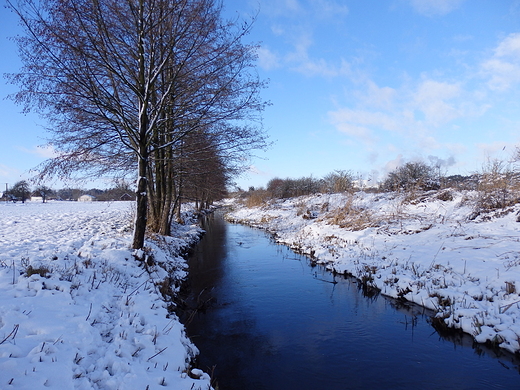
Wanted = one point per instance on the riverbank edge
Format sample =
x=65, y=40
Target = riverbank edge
x=173, y=287
x=81, y=310
x=450, y=316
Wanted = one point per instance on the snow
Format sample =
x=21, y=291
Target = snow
x=418, y=248
x=78, y=312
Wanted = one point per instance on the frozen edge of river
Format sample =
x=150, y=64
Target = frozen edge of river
x=427, y=252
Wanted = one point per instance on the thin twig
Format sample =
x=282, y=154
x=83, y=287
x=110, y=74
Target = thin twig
x=13, y=334
x=161, y=351
x=501, y=307
x=89, y=311
x=133, y=292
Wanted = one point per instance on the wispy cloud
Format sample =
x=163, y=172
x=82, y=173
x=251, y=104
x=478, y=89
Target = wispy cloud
x=462, y=38
x=503, y=68
x=300, y=60
x=327, y=9
x=8, y=172
x=40, y=151
x=414, y=117
x=363, y=124
x=376, y=97
x=498, y=148
x=294, y=23
x=321, y=67
x=296, y=9
x=393, y=164
x=267, y=59
x=435, y=7
x=282, y=8
x=434, y=100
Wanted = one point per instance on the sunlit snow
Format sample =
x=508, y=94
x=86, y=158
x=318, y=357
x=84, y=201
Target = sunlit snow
x=77, y=311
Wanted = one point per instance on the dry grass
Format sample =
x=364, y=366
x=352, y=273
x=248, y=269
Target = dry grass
x=257, y=198
x=41, y=270
x=351, y=217
x=498, y=187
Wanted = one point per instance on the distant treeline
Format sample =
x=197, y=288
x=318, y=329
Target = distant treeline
x=22, y=191
x=498, y=184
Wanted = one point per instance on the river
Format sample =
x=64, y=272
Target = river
x=267, y=319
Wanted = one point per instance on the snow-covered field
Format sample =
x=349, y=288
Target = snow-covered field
x=423, y=249
x=76, y=310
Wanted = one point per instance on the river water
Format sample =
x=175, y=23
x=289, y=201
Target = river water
x=267, y=319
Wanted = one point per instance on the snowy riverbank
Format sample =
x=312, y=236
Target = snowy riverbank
x=77, y=311
x=430, y=249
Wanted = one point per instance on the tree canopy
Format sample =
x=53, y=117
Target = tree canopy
x=143, y=86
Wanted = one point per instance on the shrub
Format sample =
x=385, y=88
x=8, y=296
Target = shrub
x=338, y=181
x=256, y=198
x=42, y=271
x=497, y=186
x=289, y=188
x=412, y=176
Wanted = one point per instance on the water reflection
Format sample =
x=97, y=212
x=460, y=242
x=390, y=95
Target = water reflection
x=265, y=319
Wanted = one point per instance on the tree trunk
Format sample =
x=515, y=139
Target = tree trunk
x=142, y=143
x=142, y=205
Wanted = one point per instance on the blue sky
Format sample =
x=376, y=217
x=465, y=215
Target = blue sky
x=356, y=85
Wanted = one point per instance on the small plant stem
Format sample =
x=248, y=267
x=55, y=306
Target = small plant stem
x=12, y=334
x=161, y=351
x=89, y=311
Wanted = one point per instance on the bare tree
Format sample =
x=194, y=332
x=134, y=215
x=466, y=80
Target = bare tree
x=44, y=192
x=20, y=191
x=124, y=81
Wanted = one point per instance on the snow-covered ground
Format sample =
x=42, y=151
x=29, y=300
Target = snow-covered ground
x=77, y=311
x=424, y=249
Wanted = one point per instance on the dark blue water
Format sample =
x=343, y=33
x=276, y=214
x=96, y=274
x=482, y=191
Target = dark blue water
x=267, y=319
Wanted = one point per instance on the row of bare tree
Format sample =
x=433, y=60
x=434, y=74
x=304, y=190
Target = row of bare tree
x=162, y=88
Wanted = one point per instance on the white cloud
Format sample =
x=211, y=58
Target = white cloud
x=322, y=9
x=435, y=7
x=318, y=67
x=502, y=74
x=498, y=149
x=267, y=59
x=300, y=61
x=354, y=130
x=292, y=5
x=328, y=9
x=253, y=169
x=432, y=99
x=294, y=23
x=41, y=151
x=282, y=7
x=8, y=172
x=441, y=162
x=416, y=117
x=510, y=46
x=361, y=124
x=277, y=30
x=428, y=142
x=377, y=97
x=400, y=111
x=462, y=38
x=503, y=69
x=301, y=42
x=393, y=164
